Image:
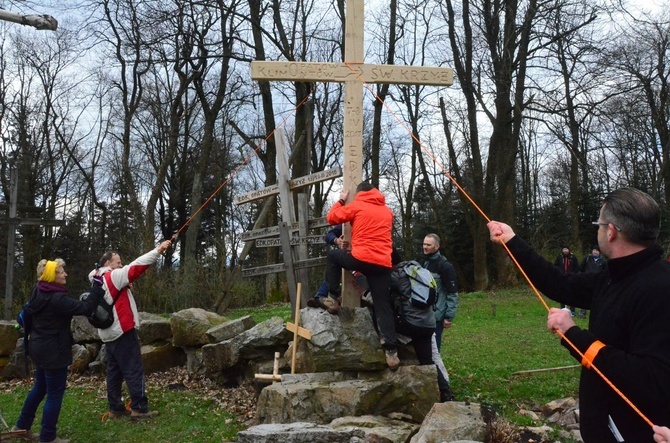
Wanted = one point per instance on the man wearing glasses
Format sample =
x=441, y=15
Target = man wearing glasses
x=628, y=338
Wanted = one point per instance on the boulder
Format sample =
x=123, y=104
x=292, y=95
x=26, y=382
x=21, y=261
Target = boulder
x=452, y=421
x=297, y=433
x=82, y=331
x=190, y=326
x=16, y=368
x=377, y=429
x=158, y=357
x=8, y=336
x=154, y=328
x=322, y=397
x=344, y=342
x=81, y=358
x=230, y=329
x=257, y=343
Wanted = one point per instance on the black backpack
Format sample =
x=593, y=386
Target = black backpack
x=103, y=316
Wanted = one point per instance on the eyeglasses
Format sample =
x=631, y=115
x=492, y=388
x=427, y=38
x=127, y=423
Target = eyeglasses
x=597, y=223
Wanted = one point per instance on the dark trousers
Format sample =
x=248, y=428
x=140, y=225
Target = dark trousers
x=422, y=340
x=124, y=362
x=379, y=282
x=49, y=383
x=438, y=334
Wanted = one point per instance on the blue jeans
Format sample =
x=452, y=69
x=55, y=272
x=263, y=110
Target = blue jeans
x=50, y=383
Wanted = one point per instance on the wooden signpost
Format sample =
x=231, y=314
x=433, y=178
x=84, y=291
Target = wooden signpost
x=282, y=235
x=353, y=72
x=13, y=222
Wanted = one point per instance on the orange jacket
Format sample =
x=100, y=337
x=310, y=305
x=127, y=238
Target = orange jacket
x=371, y=224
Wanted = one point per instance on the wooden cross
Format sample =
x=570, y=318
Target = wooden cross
x=298, y=331
x=352, y=73
x=13, y=222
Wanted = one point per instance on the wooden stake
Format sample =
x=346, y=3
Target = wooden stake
x=534, y=371
x=297, y=324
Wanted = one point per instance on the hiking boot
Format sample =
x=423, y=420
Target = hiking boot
x=392, y=359
x=330, y=304
x=27, y=434
x=314, y=302
x=119, y=414
x=56, y=440
x=136, y=415
x=447, y=395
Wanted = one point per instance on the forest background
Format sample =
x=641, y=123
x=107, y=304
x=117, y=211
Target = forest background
x=134, y=113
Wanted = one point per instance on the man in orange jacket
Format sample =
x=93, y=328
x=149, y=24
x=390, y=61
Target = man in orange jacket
x=371, y=247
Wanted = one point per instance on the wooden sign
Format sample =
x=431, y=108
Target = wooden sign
x=295, y=183
x=295, y=241
x=280, y=267
x=273, y=231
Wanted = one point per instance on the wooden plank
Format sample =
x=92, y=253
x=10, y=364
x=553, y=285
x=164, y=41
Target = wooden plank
x=257, y=194
x=295, y=241
x=302, y=332
x=296, y=183
x=273, y=269
x=273, y=231
x=342, y=72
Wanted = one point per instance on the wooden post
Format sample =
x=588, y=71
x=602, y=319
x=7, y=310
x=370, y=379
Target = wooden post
x=353, y=72
x=13, y=222
x=298, y=331
x=11, y=239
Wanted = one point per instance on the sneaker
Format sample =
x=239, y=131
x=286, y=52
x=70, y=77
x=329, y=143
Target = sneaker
x=136, y=415
x=119, y=414
x=26, y=434
x=392, y=359
x=330, y=304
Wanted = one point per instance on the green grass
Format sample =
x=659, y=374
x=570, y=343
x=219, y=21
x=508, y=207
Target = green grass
x=497, y=334
x=184, y=417
x=493, y=336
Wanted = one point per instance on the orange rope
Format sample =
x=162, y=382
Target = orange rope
x=239, y=167
x=474, y=204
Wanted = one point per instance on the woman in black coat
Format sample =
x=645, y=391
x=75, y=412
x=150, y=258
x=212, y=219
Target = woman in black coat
x=50, y=344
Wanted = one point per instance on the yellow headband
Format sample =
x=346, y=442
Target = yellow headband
x=49, y=274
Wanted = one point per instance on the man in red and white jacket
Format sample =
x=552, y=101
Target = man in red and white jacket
x=124, y=358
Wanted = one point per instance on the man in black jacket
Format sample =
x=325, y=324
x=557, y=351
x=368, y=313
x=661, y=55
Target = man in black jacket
x=628, y=339
x=567, y=262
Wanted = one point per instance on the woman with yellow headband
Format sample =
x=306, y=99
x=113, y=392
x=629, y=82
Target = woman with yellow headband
x=50, y=345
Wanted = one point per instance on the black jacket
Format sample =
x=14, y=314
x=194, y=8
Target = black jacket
x=569, y=264
x=630, y=314
x=52, y=311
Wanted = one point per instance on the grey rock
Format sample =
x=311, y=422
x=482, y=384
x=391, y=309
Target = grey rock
x=296, y=433
x=190, y=326
x=323, y=397
x=452, y=421
x=154, y=328
x=8, y=336
x=230, y=329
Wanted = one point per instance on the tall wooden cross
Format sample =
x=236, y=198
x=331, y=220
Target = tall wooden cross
x=352, y=73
